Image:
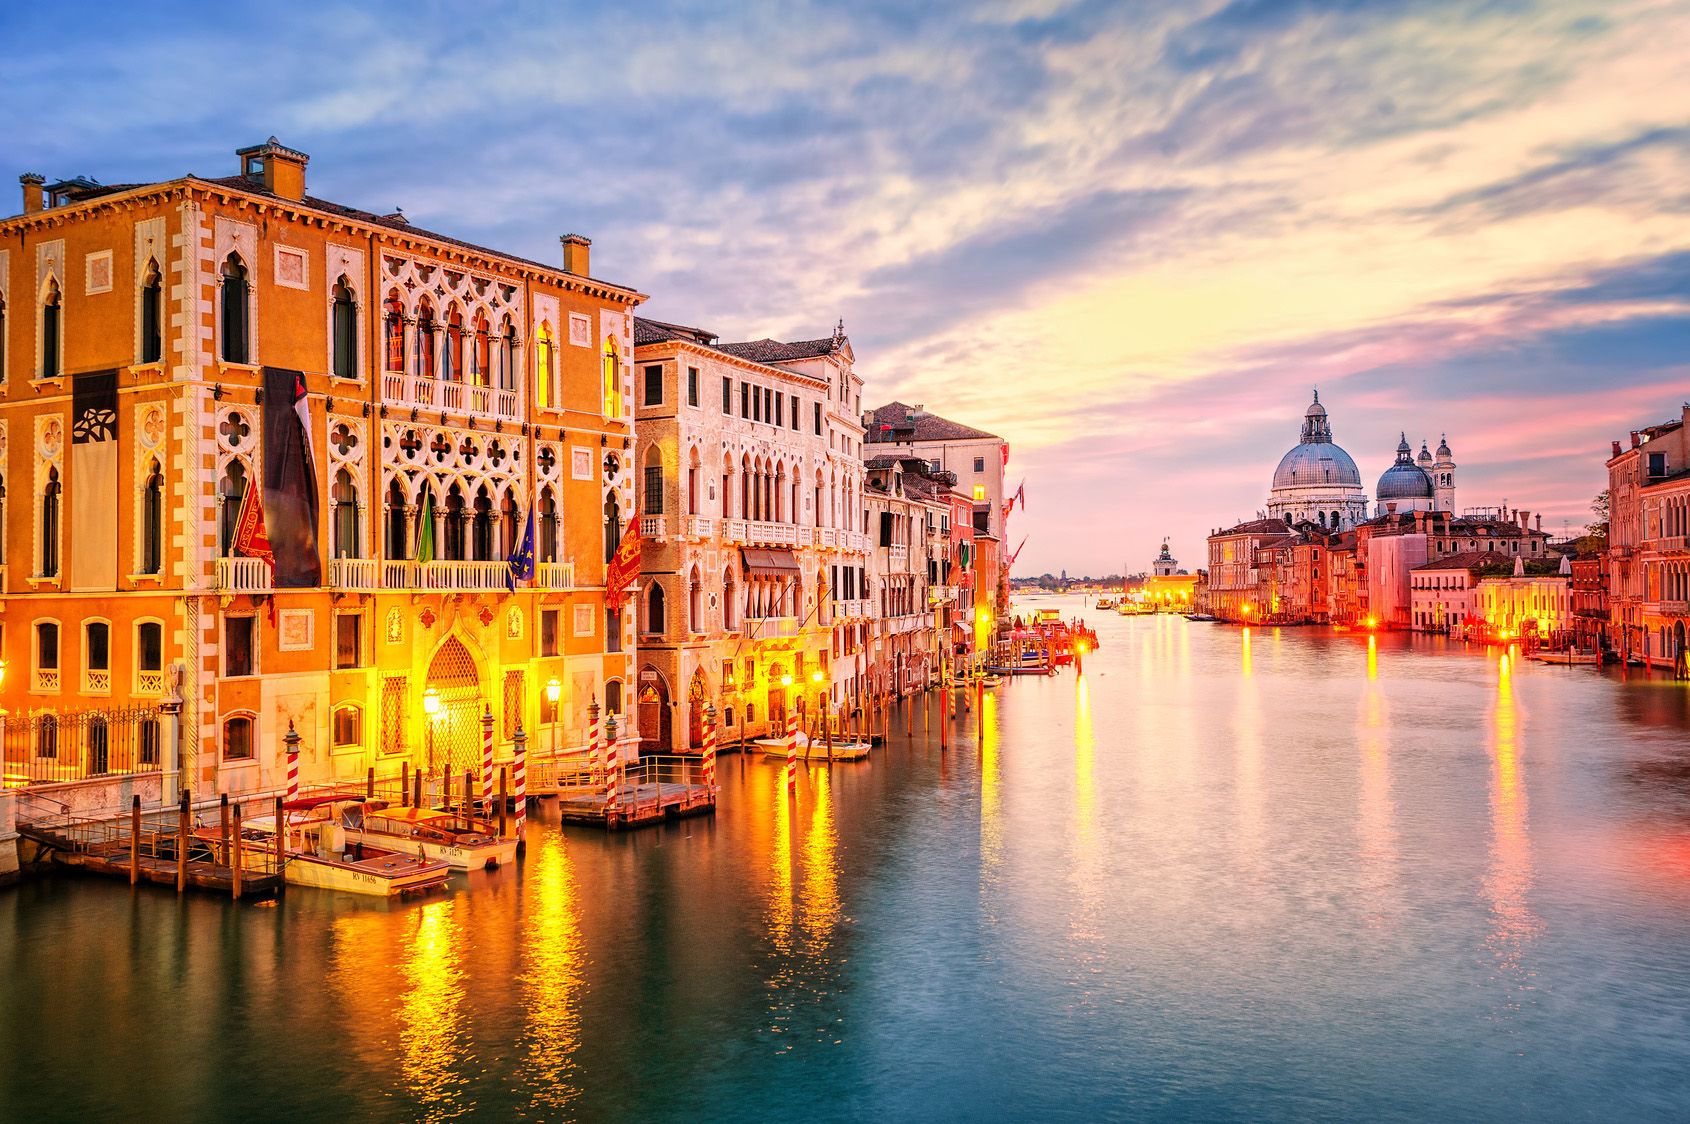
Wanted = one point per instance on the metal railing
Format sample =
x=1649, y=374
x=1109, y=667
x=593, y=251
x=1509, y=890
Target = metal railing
x=45, y=747
x=159, y=837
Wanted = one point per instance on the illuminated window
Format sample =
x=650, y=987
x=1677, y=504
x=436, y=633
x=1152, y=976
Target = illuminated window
x=612, y=380
x=979, y=491
x=348, y=726
x=545, y=368
x=237, y=739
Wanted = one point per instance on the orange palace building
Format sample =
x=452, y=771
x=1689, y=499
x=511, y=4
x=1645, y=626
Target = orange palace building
x=407, y=402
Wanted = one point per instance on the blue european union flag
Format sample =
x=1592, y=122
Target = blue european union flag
x=521, y=561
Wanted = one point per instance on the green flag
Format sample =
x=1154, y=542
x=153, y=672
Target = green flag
x=425, y=530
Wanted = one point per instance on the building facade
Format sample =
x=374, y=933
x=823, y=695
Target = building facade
x=401, y=403
x=1649, y=543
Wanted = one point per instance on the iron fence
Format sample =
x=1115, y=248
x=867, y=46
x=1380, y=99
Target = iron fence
x=48, y=747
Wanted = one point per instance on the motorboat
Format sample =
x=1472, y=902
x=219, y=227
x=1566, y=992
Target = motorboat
x=991, y=682
x=437, y=834
x=318, y=853
x=1568, y=656
x=809, y=749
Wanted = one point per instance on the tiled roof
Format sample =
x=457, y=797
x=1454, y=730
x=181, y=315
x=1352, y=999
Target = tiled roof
x=1469, y=560
x=907, y=424
x=776, y=351
x=1259, y=527
x=656, y=331
x=369, y=218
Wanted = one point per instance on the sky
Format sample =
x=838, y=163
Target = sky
x=1128, y=237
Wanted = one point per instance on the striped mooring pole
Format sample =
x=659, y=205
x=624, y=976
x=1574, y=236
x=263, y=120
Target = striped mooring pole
x=487, y=760
x=710, y=747
x=292, y=741
x=612, y=782
x=791, y=752
x=520, y=746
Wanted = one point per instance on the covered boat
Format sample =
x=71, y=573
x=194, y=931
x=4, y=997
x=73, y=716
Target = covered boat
x=461, y=844
x=318, y=853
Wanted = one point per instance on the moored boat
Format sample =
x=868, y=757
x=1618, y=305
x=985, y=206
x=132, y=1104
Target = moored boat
x=843, y=750
x=436, y=834
x=317, y=852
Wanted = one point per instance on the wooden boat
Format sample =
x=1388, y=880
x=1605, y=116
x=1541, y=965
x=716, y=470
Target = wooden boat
x=1568, y=657
x=991, y=682
x=318, y=853
x=816, y=750
x=1105, y=603
x=436, y=834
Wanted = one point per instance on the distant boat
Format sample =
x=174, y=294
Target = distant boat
x=1568, y=657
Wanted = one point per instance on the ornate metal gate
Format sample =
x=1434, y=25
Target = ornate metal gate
x=453, y=734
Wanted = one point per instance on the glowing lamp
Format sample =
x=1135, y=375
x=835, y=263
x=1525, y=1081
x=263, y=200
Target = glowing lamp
x=1372, y=622
x=816, y=675
x=1246, y=610
x=431, y=702
x=554, y=690
x=2, y=671
x=786, y=681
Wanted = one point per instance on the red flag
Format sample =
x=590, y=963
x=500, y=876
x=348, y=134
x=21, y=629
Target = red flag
x=253, y=541
x=624, y=565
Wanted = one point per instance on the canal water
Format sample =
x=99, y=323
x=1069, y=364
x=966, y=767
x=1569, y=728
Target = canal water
x=1227, y=875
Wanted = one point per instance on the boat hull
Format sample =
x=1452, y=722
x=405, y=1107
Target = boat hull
x=377, y=877
x=482, y=856
x=817, y=751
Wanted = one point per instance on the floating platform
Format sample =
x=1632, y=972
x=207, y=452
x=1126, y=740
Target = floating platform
x=638, y=805
x=157, y=863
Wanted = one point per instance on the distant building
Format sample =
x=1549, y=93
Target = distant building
x=1243, y=576
x=1316, y=481
x=1533, y=607
x=1441, y=591
x=1590, y=601
x=1164, y=564
x=1649, y=543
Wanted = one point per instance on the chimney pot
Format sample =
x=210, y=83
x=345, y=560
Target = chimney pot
x=1616, y=448
x=32, y=194
x=1634, y=439
x=275, y=167
x=577, y=254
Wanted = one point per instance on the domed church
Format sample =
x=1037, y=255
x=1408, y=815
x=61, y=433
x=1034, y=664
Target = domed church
x=1418, y=483
x=1316, y=481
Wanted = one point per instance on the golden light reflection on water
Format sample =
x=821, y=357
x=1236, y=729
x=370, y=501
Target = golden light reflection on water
x=552, y=976
x=431, y=1012
x=1508, y=885
x=991, y=803
x=1085, y=746
x=1377, y=819
x=1244, y=650
x=1247, y=732
x=1085, y=921
x=804, y=911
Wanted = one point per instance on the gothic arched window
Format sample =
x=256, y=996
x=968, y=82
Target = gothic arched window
x=50, y=516
x=152, y=520
x=393, y=331
x=345, y=329
x=345, y=516
x=52, y=331
x=152, y=314
x=237, y=344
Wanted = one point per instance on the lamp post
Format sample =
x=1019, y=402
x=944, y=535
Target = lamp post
x=431, y=708
x=554, y=692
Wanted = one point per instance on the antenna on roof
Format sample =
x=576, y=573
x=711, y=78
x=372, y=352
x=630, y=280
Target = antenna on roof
x=839, y=332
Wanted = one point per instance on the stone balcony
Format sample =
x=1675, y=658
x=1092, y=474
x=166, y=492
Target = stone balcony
x=450, y=396
x=242, y=575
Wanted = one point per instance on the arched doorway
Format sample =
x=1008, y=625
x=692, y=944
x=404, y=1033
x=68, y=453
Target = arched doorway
x=452, y=733
x=777, y=699
x=657, y=732
x=697, y=700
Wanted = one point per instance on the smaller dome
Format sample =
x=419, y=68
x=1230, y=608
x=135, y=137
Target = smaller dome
x=1405, y=481
x=1425, y=457
x=1443, y=449
x=1403, y=448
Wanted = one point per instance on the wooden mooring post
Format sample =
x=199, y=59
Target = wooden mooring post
x=182, y=843
x=370, y=784
x=281, y=841
x=223, y=828
x=134, y=840
x=416, y=789
x=404, y=783
x=469, y=800
x=236, y=858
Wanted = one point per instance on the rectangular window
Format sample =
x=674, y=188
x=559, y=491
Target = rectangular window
x=727, y=673
x=348, y=639
x=886, y=528
x=548, y=632
x=744, y=400
x=795, y=413
x=237, y=739
x=979, y=464
x=47, y=646
x=654, y=385
x=692, y=386
x=727, y=395
x=768, y=405
x=237, y=646
x=818, y=407
x=613, y=630
x=757, y=395
x=149, y=646
x=780, y=409
x=653, y=489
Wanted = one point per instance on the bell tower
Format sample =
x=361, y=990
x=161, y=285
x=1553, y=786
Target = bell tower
x=1443, y=478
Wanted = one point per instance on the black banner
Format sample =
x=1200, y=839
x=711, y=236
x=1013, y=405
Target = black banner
x=290, y=481
x=91, y=539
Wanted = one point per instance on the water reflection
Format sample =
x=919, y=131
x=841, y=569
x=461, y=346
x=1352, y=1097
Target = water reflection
x=804, y=913
x=1513, y=924
x=1376, y=821
x=431, y=1019
x=1247, y=733
x=552, y=976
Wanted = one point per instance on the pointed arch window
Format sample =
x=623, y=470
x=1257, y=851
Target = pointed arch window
x=547, y=551
x=52, y=331
x=508, y=531
x=456, y=518
x=545, y=368
x=51, y=495
x=612, y=380
x=657, y=611
x=612, y=527
x=152, y=520
x=231, y=489
x=396, y=545
x=2, y=339
x=507, y=355
x=452, y=356
x=152, y=313
x=482, y=529
x=344, y=315
x=393, y=331
x=236, y=325
x=483, y=352
x=345, y=516
x=425, y=340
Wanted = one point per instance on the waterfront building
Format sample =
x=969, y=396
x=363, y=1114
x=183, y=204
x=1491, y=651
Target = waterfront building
x=1164, y=564
x=399, y=406
x=908, y=527
x=752, y=554
x=1649, y=543
x=978, y=459
x=1317, y=481
x=1441, y=591
x=1244, y=578
x=1166, y=587
x=1590, y=601
x=1534, y=603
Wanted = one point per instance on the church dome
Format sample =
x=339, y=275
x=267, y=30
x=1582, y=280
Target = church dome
x=1315, y=464
x=1404, y=480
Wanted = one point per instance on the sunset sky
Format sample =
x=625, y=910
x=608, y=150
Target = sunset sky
x=1129, y=237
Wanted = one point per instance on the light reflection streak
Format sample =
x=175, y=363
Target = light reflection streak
x=431, y=1012
x=804, y=911
x=1508, y=885
x=1247, y=728
x=1378, y=811
x=991, y=802
x=1087, y=867
x=552, y=976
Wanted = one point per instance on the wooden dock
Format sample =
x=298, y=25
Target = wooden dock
x=638, y=804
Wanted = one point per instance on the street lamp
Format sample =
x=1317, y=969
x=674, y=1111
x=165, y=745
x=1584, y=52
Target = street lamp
x=554, y=692
x=431, y=707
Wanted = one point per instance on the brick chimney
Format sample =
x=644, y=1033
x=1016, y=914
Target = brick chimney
x=275, y=168
x=1635, y=441
x=1616, y=449
x=32, y=195
x=577, y=254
